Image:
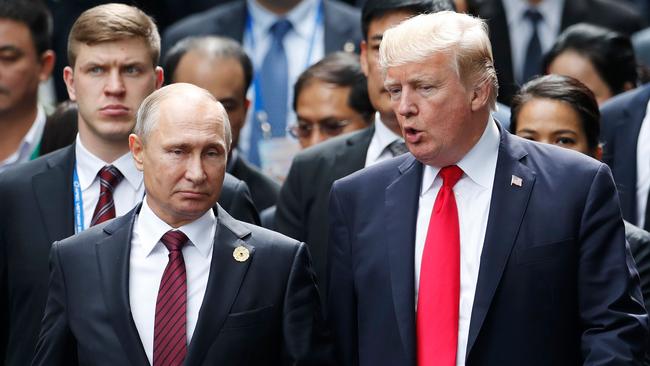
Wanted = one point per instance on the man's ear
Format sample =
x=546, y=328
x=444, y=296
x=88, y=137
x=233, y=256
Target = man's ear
x=68, y=78
x=47, y=64
x=480, y=96
x=137, y=150
x=160, y=77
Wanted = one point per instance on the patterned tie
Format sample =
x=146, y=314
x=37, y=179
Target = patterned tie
x=397, y=148
x=533, y=61
x=274, y=81
x=439, y=292
x=170, y=333
x=109, y=178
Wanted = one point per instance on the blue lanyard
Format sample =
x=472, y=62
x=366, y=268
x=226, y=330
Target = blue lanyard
x=258, y=107
x=78, y=203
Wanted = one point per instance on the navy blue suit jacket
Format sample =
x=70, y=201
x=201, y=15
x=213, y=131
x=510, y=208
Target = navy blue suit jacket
x=621, y=120
x=554, y=284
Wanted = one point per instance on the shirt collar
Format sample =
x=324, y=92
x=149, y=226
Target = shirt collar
x=384, y=135
x=31, y=139
x=88, y=165
x=551, y=11
x=200, y=232
x=263, y=19
x=478, y=164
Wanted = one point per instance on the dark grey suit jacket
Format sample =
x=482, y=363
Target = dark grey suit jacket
x=263, y=189
x=342, y=25
x=37, y=209
x=302, y=209
x=262, y=311
x=606, y=13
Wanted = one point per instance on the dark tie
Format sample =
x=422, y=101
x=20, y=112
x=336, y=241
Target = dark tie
x=397, y=148
x=439, y=290
x=170, y=333
x=275, y=85
x=109, y=178
x=533, y=61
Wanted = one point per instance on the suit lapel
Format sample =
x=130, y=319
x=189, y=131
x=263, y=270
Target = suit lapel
x=53, y=192
x=113, y=257
x=507, y=208
x=401, y=206
x=337, y=34
x=226, y=276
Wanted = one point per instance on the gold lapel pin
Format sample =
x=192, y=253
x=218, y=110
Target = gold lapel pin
x=516, y=181
x=241, y=254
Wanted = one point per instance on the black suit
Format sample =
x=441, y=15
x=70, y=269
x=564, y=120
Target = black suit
x=263, y=311
x=341, y=25
x=606, y=13
x=302, y=209
x=36, y=199
x=263, y=189
x=621, y=118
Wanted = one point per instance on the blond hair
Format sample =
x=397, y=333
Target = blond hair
x=113, y=22
x=463, y=37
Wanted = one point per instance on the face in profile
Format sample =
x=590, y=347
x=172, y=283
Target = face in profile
x=323, y=111
x=108, y=81
x=552, y=122
x=571, y=63
x=183, y=158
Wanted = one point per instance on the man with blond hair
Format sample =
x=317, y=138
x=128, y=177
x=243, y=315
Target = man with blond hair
x=178, y=281
x=483, y=248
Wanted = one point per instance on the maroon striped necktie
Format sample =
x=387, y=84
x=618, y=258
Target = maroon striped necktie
x=170, y=334
x=109, y=178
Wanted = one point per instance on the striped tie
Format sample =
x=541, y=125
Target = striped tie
x=170, y=334
x=109, y=178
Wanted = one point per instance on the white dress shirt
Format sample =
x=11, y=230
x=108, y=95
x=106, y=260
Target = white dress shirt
x=126, y=195
x=29, y=143
x=382, y=137
x=473, y=193
x=297, y=44
x=643, y=168
x=148, y=260
x=520, y=29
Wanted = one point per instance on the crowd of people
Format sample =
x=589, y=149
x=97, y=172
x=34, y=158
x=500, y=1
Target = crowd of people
x=320, y=182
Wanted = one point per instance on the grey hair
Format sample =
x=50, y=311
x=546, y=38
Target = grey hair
x=463, y=37
x=149, y=111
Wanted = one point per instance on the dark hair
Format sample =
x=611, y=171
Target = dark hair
x=374, y=9
x=212, y=46
x=610, y=52
x=341, y=69
x=564, y=89
x=35, y=15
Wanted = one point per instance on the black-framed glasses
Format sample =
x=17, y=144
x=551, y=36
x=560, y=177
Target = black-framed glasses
x=329, y=127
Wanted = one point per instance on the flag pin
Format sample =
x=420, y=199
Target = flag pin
x=516, y=181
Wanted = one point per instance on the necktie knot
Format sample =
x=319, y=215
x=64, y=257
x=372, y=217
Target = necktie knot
x=397, y=148
x=533, y=15
x=174, y=240
x=450, y=175
x=110, y=176
x=280, y=28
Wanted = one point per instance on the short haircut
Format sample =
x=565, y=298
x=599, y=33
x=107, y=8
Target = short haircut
x=340, y=69
x=210, y=46
x=149, y=111
x=373, y=9
x=35, y=15
x=563, y=89
x=611, y=53
x=463, y=37
x=110, y=23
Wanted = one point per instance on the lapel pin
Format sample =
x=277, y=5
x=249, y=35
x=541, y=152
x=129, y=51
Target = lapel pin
x=348, y=47
x=516, y=181
x=241, y=254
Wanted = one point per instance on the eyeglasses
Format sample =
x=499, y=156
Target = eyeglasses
x=302, y=129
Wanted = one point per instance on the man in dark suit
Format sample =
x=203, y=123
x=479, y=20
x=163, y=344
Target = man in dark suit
x=302, y=206
x=622, y=120
x=606, y=13
x=478, y=248
x=241, y=294
x=221, y=66
x=39, y=196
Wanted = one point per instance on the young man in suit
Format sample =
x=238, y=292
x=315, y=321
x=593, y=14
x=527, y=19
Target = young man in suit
x=113, y=55
x=479, y=247
x=177, y=280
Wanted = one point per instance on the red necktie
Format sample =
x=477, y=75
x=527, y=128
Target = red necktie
x=170, y=333
x=439, y=292
x=109, y=178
